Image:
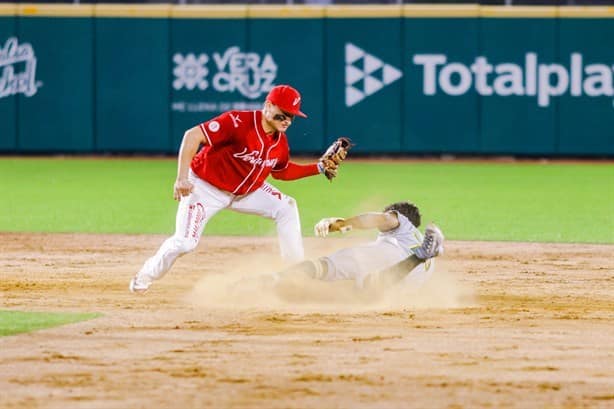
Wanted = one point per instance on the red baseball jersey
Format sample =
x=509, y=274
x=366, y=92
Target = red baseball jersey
x=239, y=154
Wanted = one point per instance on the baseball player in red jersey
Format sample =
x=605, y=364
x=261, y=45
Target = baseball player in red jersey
x=240, y=149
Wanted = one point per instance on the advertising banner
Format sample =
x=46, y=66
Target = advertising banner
x=294, y=44
x=212, y=70
x=441, y=109
x=55, y=90
x=518, y=80
x=363, y=85
x=11, y=65
x=132, y=77
x=586, y=85
x=397, y=79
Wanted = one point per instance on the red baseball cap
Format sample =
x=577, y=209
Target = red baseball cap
x=287, y=99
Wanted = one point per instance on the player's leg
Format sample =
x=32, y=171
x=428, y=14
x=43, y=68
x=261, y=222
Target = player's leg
x=271, y=203
x=351, y=263
x=193, y=213
x=397, y=272
x=316, y=269
x=432, y=246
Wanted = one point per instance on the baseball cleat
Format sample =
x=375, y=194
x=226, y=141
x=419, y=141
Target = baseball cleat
x=139, y=285
x=432, y=246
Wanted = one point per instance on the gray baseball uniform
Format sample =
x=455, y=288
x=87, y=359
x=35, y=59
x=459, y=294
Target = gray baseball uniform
x=389, y=248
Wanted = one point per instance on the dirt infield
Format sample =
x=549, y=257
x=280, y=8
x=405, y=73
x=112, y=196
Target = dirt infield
x=500, y=325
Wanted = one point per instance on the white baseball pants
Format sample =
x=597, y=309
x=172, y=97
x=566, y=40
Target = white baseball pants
x=356, y=263
x=196, y=209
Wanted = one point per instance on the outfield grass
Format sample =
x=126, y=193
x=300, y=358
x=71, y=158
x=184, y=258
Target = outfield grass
x=17, y=322
x=545, y=202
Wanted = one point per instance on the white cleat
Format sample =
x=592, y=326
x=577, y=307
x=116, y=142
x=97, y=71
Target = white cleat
x=139, y=285
x=432, y=246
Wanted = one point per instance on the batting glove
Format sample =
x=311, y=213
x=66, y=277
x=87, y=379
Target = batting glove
x=322, y=228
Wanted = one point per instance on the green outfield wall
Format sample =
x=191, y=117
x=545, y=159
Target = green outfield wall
x=416, y=79
x=8, y=101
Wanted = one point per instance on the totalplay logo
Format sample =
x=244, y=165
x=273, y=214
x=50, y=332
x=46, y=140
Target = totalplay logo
x=534, y=78
x=365, y=74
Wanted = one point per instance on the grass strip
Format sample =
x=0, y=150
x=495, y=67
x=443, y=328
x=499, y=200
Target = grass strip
x=18, y=322
x=535, y=202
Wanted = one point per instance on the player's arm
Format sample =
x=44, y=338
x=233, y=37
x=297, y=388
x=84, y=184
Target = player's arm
x=192, y=139
x=285, y=169
x=327, y=164
x=372, y=220
x=293, y=171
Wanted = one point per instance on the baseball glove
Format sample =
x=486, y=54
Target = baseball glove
x=334, y=155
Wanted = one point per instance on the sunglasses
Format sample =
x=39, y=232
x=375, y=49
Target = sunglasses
x=283, y=116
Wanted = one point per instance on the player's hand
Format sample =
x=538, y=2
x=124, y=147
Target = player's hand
x=325, y=226
x=329, y=168
x=183, y=187
x=335, y=154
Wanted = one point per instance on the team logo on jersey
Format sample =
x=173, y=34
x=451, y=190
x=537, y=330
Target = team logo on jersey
x=14, y=55
x=249, y=73
x=214, y=126
x=365, y=74
x=254, y=158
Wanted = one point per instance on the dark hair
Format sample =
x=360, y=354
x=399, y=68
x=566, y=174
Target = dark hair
x=408, y=210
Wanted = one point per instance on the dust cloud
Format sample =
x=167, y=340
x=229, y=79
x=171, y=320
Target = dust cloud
x=252, y=284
